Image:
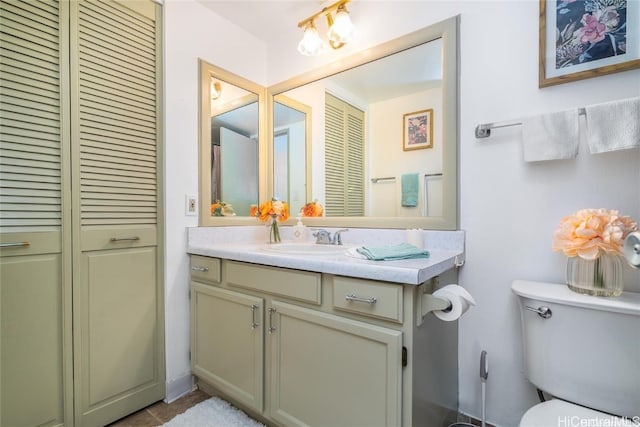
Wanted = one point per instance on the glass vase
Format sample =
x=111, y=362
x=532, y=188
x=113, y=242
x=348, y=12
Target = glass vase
x=601, y=277
x=274, y=231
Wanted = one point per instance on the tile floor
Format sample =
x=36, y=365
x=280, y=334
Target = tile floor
x=161, y=412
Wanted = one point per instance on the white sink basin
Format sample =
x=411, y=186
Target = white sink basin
x=306, y=249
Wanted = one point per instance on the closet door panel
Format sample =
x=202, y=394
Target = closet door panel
x=32, y=346
x=116, y=100
x=36, y=383
x=119, y=321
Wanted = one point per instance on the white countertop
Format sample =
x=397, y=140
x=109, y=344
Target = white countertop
x=216, y=242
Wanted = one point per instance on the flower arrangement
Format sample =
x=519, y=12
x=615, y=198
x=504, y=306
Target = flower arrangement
x=219, y=208
x=312, y=209
x=272, y=211
x=589, y=231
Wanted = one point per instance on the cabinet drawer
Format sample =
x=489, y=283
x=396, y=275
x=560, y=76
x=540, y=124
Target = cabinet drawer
x=374, y=299
x=205, y=268
x=295, y=284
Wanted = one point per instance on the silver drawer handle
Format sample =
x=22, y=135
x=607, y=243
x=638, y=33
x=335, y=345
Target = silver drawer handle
x=254, y=324
x=271, y=328
x=351, y=297
x=124, y=239
x=198, y=268
x=544, y=312
x=15, y=245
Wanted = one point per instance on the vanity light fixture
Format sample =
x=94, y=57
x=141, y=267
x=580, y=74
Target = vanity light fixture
x=216, y=90
x=341, y=29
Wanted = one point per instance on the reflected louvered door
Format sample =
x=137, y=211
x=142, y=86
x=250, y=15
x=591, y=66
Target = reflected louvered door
x=344, y=158
x=118, y=341
x=35, y=293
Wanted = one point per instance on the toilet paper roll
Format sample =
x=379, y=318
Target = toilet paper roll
x=460, y=301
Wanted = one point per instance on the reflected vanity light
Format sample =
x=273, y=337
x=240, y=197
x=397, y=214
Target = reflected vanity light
x=216, y=90
x=341, y=30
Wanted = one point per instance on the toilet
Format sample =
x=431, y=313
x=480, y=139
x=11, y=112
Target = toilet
x=582, y=350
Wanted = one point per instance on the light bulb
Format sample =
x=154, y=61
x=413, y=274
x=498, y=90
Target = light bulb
x=342, y=30
x=311, y=43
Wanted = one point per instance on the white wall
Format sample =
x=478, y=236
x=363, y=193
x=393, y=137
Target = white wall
x=191, y=32
x=509, y=208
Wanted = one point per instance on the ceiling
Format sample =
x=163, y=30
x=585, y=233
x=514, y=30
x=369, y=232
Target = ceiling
x=268, y=20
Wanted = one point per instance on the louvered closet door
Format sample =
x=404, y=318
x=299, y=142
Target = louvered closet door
x=344, y=158
x=118, y=335
x=35, y=286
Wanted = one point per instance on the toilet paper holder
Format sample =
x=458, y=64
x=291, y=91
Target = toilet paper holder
x=430, y=303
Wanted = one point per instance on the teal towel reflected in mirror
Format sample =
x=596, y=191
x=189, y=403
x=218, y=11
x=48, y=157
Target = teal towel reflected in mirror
x=392, y=252
x=410, y=190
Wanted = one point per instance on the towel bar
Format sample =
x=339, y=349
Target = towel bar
x=484, y=130
x=386, y=178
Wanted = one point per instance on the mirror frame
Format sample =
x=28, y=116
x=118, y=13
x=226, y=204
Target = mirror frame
x=446, y=30
x=207, y=71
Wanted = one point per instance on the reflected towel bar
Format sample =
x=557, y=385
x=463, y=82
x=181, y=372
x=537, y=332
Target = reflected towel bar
x=386, y=178
x=484, y=130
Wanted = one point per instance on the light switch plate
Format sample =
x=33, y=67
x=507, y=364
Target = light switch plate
x=191, y=205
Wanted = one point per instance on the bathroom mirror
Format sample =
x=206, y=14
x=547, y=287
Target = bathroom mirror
x=231, y=146
x=291, y=151
x=387, y=98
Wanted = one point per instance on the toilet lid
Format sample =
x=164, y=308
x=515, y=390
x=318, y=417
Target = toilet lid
x=557, y=412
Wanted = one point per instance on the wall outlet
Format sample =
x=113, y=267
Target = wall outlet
x=191, y=205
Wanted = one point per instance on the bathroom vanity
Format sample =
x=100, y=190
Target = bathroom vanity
x=323, y=339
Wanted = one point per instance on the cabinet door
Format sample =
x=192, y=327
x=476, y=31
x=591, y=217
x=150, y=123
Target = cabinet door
x=115, y=134
x=330, y=371
x=227, y=342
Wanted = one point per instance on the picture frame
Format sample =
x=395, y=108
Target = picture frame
x=417, y=128
x=580, y=39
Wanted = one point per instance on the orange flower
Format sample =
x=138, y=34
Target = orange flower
x=312, y=209
x=214, y=206
x=273, y=209
x=588, y=231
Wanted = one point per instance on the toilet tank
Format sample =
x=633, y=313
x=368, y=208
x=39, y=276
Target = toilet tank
x=587, y=351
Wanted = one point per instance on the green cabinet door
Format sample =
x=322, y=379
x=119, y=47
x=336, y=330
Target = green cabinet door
x=327, y=370
x=227, y=342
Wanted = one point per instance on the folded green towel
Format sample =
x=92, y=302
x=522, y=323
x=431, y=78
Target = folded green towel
x=410, y=187
x=388, y=253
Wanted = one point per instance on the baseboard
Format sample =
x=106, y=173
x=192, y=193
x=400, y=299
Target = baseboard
x=179, y=387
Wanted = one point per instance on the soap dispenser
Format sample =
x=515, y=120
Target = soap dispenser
x=299, y=231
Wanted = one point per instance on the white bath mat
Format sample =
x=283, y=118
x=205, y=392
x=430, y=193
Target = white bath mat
x=213, y=412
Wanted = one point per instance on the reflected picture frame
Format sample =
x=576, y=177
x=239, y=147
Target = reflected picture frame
x=417, y=130
x=582, y=39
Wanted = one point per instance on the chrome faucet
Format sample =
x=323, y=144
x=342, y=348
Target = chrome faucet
x=323, y=237
x=337, y=240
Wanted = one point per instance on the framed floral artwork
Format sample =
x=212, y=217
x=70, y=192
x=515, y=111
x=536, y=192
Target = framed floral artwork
x=580, y=39
x=417, y=130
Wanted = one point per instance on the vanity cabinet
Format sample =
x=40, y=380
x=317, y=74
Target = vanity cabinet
x=302, y=348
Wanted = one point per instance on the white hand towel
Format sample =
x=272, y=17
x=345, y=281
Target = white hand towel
x=613, y=125
x=551, y=136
